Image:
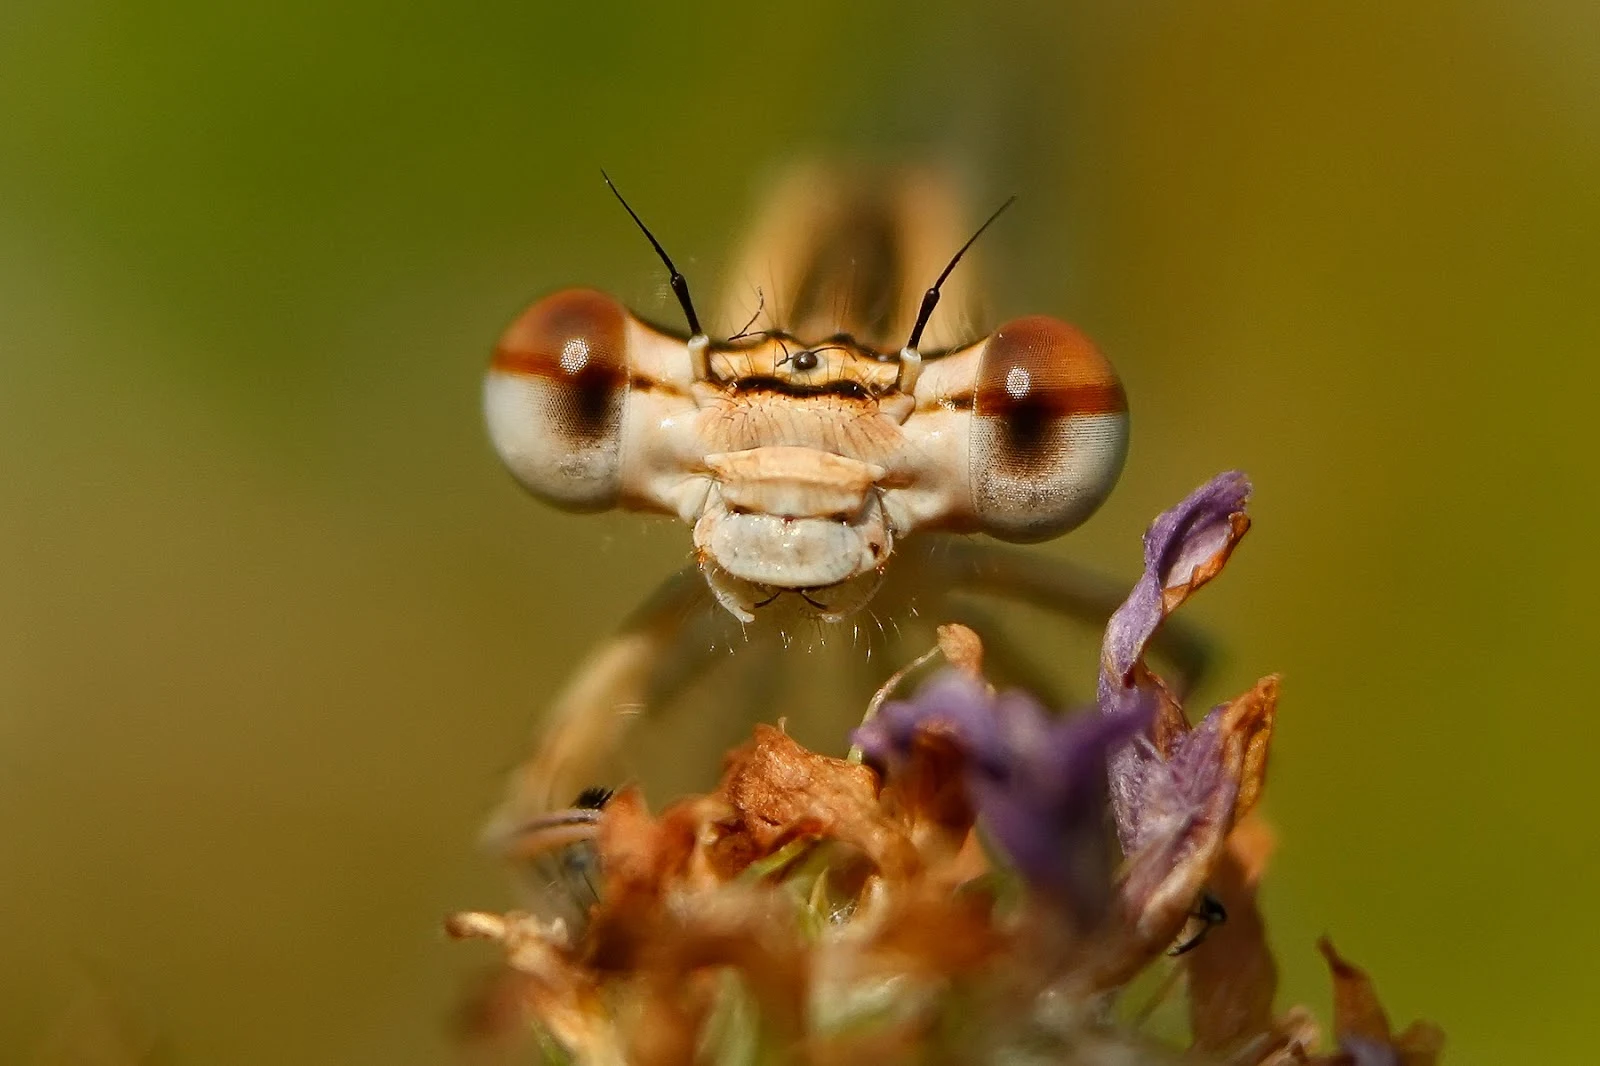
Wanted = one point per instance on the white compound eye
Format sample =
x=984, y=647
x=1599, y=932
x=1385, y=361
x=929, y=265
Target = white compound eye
x=554, y=396
x=1049, y=430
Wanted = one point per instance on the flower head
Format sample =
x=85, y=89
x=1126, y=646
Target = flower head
x=1036, y=780
x=813, y=908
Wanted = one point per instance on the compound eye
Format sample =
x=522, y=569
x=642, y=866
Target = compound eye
x=1049, y=430
x=554, y=395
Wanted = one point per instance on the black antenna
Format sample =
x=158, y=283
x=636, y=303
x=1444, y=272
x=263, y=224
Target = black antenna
x=930, y=299
x=680, y=287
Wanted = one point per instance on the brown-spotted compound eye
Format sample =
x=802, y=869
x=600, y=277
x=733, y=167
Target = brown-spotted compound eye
x=1049, y=430
x=554, y=396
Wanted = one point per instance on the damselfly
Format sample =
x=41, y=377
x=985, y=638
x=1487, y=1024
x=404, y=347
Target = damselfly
x=812, y=448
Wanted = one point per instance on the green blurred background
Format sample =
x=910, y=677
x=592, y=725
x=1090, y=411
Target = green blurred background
x=273, y=622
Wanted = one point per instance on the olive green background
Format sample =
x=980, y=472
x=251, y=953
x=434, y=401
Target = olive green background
x=273, y=622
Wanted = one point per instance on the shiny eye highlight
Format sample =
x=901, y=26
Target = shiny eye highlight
x=554, y=397
x=1049, y=430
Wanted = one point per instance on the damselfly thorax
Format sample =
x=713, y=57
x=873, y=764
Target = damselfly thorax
x=828, y=415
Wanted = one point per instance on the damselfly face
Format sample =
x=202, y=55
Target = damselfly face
x=802, y=454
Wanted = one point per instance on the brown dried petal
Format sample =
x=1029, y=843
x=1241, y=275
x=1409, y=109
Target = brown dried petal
x=1421, y=1044
x=779, y=792
x=668, y=1017
x=928, y=795
x=1360, y=1022
x=939, y=933
x=638, y=853
x=744, y=927
x=1356, y=1010
x=1248, y=724
x=641, y=858
x=1170, y=725
x=559, y=992
x=1232, y=977
x=1291, y=1040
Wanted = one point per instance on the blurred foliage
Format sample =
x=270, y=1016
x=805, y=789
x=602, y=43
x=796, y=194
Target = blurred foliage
x=273, y=623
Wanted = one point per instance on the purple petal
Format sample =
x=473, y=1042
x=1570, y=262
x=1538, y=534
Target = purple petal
x=1183, y=815
x=1180, y=791
x=1047, y=814
x=1129, y=767
x=963, y=703
x=1181, y=544
x=1035, y=780
x=1183, y=549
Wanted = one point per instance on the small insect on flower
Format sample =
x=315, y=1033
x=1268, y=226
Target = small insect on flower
x=1208, y=913
x=556, y=855
x=806, y=454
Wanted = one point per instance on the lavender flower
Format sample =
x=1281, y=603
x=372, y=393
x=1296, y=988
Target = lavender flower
x=1035, y=779
x=817, y=909
x=1184, y=548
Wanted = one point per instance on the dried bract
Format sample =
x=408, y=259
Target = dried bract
x=1361, y=1025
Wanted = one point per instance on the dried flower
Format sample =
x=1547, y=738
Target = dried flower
x=1036, y=780
x=1184, y=548
x=819, y=909
x=1362, y=1026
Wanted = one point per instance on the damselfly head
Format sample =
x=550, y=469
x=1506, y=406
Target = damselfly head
x=801, y=458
